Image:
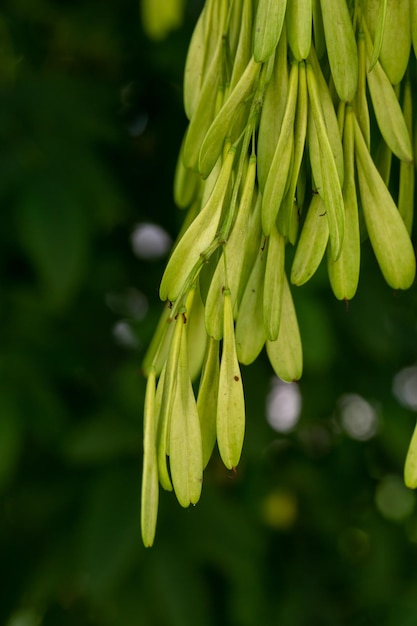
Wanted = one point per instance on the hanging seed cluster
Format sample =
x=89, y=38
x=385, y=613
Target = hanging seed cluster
x=281, y=96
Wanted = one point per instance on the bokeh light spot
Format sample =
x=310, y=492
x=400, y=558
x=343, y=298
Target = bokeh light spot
x=124, y=335
x=358, y=417
x=404, y=387
x=283, y=405
x=24, y=617
x=394, y=501
x=279, y=509
x=138, y=125
x=150, y=241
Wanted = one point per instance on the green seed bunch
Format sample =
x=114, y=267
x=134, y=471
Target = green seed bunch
x=281, y=96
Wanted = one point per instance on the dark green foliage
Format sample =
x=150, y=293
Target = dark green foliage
x=77, y=79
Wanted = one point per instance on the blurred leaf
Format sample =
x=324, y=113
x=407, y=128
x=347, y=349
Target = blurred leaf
x=55, y=235
x=10, y=437
x=108, y=545
x=102, y=439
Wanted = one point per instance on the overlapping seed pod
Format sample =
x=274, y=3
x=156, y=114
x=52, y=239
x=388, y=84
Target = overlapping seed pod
x=281, y=96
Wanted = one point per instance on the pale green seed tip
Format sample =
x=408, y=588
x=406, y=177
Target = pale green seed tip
x=410, y=468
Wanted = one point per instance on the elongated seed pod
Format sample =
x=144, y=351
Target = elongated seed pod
x=244, y=48
x=230, y=120
x=387, y=110
x=165, y=396
x=234, y=259
x=251, y=249
x=250, y=330
x=301, y=189
x=360, y=102
x=207, y=399
x=268, y=26
x=341, y=47
x=276, y=183
x=331, y=191
x=378, y=33
x=386, y=229
x=205, y=110
x=314, y=153
x=289, y=224
x=232, y=33
x=329, y=114
x=157, y=352
x=197, y=337
x=383, y=161
x=286, y=354
x=203, y=46
x=396, y=41
x=344, y=272
x=410, y=468
x=406, y=194
x=230, y=401
x=213, y=312
x=318, y=29
x=195, y=62
x=407, y=172
x=273, y=110
x=198, y=237
x=185, y=452
x=211, y=181
x=299, y=21
x=150, y=488
x=273, y=284
x=312, y=243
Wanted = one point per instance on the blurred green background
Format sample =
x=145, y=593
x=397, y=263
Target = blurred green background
x=316, y=528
